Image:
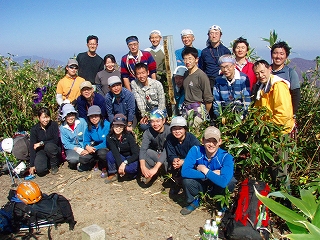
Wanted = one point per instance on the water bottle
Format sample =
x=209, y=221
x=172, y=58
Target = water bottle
x=218, y=218
x=214, y=231
x=206, y=229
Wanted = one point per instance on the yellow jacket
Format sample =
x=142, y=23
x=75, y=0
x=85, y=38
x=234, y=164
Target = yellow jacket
x=275, y=95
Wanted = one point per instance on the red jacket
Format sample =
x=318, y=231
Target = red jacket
x=248, y=70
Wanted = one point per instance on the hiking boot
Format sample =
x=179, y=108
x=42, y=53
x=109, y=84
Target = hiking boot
x=111, y=178
x=146, y=180
x=54, y=170
x=189, y=209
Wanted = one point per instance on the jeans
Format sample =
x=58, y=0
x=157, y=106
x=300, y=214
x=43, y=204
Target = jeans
x=131, y=168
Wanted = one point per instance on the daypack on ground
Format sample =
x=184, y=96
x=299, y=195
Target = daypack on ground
x=21, y=144
x=53, y=208
x=248, y=218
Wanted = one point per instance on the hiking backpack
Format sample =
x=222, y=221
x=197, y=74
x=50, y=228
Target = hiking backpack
x=248, y=218
x=53, y=208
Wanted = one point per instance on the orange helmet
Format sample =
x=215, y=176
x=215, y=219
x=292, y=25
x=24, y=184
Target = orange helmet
x=29, y=192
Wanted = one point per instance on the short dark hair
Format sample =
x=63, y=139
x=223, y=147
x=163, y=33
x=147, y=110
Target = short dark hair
x=44, y=110
x=139, y=66
x=263, y=62
x=113, y=59
x=281, y=44
x=90, y=37
x=190, y=50
x=239, y=40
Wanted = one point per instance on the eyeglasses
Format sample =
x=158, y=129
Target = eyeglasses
x=73, y=67
x=227, y=67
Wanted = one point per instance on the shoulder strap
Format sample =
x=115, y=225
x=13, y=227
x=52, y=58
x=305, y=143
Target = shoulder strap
x=67, y=95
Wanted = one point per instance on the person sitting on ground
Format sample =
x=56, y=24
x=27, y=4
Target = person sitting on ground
x=90, y=63
x=178, y=76
x=135, y=56
x=71, y=132
x=153, y=154
x=157, y=53
x=232, y=89
x=149, y=94
x=68, y=88
x=206, y=169
x=179, y=142
x=198, y=95
x=240, y=49
x=102, y=77
x=120, y=100
x=123, y=157
x=45, y=151
x=95, y=140
x=88, y=98
x=187, y=38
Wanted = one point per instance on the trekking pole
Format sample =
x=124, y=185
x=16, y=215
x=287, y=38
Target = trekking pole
x=11, y=171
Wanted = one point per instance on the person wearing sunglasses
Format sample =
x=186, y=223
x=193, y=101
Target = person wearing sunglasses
x=68, y=88
x=122, y=159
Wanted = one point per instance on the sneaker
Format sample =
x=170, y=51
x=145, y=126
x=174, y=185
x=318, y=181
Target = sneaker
x=111, y=178
x=54, y=170
x=146, y=180
x=189, y=209
x=79, y=169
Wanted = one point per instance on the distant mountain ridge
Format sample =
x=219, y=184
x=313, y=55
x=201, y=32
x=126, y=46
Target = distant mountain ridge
x=302, y=65
x=46, y=61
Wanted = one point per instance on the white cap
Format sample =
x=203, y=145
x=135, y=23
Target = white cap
x=113, y=80
x=180, y=71
x=155, y=32
x=178, y=121
x=186, y=32
x=7, y=145
x=215, y=28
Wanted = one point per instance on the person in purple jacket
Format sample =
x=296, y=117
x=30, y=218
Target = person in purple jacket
x=206, y=168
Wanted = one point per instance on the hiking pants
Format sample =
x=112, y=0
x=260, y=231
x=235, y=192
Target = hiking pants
x=72, y=156
x=153, y=157
x=88, y=161
x=46, y=158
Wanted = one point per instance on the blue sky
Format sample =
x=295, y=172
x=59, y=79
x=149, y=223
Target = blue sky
x=58, y=29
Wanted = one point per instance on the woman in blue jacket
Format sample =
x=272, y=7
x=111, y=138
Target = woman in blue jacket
x=71, y=133
x=95, y=140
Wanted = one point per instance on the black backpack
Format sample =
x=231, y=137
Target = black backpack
x=6, y=219
x=53, y=208
x=248, y=218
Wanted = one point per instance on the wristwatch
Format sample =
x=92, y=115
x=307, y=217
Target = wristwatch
x=125, y=162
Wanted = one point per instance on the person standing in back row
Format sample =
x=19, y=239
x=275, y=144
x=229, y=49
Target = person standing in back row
x=90, y=63
x=209, y=59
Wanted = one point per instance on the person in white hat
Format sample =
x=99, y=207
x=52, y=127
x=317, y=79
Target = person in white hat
x=209, y=57
x=179, y=142
x=120, y=100
x=187, y=38
x=71, y=133
x=206, y=169
x=88, y=98
x=178, y=77
x=157, y=53
x=68, y=88
x=231, y=90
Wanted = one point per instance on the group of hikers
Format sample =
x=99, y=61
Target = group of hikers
x=101, y=105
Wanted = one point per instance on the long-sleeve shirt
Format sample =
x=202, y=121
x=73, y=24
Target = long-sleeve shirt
x=149, y=97
x=126, y=147
x=98, y=135
x=222, y=161
x=209, y=60
x=128, y=63
x=179, y=58
x=175, y=149
x=73, y=138
x=83, y=105
x=50, y=134
x=125, y=104
x=154, y=140
x=236, y=92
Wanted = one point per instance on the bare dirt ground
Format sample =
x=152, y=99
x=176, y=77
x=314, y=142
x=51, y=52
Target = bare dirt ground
x=124, y=209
